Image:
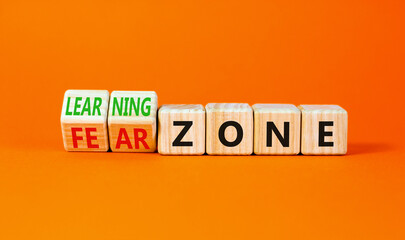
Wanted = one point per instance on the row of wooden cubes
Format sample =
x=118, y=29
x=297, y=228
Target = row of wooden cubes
x=91, y=121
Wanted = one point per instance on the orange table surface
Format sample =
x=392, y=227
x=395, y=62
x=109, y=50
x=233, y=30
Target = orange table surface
x=349, y=53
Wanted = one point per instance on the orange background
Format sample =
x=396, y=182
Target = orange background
x=349, y=53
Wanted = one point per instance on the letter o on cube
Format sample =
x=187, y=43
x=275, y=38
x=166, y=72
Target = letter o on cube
x=229, y=129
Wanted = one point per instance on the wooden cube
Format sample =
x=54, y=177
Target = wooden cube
x=132, y=121
x=229, y=129
x=84, y=120
x=277, y=129
x=181, y=129
x=324, y=130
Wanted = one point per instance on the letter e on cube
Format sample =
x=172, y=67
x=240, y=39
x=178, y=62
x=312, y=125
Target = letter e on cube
x=84, y=120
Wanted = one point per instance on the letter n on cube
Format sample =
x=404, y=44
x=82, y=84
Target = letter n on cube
x=132, y=121
x=277, y=129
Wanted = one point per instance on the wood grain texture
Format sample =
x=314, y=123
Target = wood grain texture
x=140, y=128
x=279, y=114
x=85, y=120
x=167, y=132
x=311, y=116
x=217, y=114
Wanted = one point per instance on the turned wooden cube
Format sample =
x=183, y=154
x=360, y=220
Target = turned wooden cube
x=84, y=120
x=229, y=129
x=277, y=129
x=132, y=121
x=324, y=130
x=181, y=129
